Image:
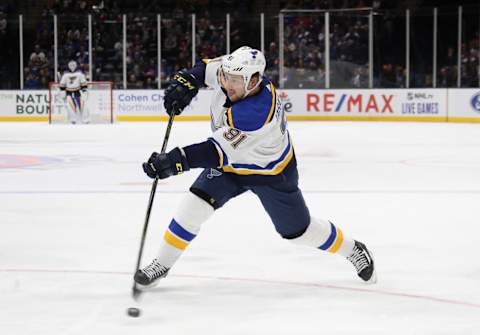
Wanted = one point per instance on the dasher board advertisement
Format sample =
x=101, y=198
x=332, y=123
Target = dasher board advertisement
x=381, y=104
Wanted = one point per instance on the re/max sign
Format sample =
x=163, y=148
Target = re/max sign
x=360, y=103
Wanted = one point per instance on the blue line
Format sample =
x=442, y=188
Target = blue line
x=90, y=192
x=439, y=192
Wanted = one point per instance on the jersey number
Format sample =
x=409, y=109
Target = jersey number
x=235, y=136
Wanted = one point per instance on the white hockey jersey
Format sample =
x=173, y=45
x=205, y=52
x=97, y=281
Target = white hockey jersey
x=251, y=136
x=73, y=81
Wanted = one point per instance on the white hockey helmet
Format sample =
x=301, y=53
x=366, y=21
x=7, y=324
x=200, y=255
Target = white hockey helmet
x=72, y=65
x=245, y=62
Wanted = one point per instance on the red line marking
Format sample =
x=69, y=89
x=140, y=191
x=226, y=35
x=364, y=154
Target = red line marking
x=265, y=281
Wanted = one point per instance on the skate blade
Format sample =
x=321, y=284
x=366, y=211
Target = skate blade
x=373, y=279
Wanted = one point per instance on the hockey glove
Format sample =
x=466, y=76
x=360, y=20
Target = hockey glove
x=182, y=89
x=166, y=164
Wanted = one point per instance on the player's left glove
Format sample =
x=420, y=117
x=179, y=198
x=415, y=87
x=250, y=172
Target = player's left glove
x=182, y=89
x=166, y=164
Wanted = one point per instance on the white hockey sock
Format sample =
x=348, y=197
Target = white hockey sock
x=324, y=235
x=183, y=228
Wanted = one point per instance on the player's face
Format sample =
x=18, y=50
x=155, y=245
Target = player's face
x=233, y=84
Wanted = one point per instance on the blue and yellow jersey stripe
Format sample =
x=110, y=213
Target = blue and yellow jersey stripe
x=272, y=108
x=273, y=168
x=230, y=118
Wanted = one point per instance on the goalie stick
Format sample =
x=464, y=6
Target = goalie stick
x=135, y=290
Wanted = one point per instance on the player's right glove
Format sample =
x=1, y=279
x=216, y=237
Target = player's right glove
x=182, y=89
x=166, y=164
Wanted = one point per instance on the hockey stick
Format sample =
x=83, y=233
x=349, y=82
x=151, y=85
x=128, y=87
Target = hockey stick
x=135, y=290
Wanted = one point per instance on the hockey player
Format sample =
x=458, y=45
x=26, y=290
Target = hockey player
x=250, y=150
x=74, y=84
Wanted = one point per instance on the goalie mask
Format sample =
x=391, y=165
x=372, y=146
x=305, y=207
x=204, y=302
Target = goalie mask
x=244, y=62
x=72, y=65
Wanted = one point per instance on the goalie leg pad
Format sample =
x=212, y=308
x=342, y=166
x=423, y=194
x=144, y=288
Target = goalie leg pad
x=76, y=100
x=71, y=109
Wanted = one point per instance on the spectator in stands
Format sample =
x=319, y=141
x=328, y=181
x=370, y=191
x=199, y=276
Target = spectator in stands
x=37, y=53
x=448, y=76
x=271, y=56
x=31, y=82
x=3, y=24
x=304, y=40
x=360, y=78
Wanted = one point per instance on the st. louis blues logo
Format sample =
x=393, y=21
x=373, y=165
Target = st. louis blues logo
x=254, y=53
x=213, y=173
x=475, y=102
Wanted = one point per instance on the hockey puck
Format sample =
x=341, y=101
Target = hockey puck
x=133, y=312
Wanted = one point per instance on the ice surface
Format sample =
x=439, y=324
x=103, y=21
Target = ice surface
x=73, y=202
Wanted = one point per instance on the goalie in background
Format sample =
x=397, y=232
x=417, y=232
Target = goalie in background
x=74, y=83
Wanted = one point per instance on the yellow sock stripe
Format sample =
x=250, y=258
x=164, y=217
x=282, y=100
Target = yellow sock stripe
x=175, y=241
x=338, y=242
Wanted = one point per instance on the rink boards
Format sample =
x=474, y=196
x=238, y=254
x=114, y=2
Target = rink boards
x=431, y=105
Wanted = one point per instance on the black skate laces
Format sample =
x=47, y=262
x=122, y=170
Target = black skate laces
x=360, y=259
x=155, y=270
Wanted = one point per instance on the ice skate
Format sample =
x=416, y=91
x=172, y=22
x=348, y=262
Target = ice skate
x=149, y=275
x=363, y=262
